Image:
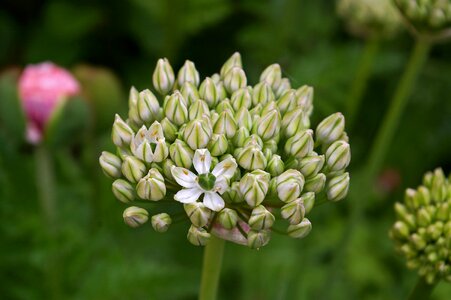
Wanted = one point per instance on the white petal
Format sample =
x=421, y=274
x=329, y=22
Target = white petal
x=188, y=195
x=213, y=201
x=225, y=168
x=202, y=161
x=155, y=132
x=221, y=185
x=184, y=177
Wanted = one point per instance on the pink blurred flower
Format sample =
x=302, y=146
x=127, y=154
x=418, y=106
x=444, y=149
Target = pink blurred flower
x=41, y=88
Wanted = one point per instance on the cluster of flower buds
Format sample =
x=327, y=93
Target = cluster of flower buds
x=422, y=232
x=426, y=16
x=235, y=156
x=368, y=18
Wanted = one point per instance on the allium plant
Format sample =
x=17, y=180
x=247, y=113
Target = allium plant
x=422, y=232
x=239, y=159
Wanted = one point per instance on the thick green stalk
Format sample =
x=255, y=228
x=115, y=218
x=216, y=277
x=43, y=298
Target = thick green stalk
x=211, y=269
x=422, y=290
x=361, y=79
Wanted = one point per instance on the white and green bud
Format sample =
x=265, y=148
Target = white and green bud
x=222, y=92
x=338, y=156
x=268, y=125
x=148, y=107
x=188, y=73
x=208, y=92
x=241, y=98
x=301, y=144
x=169, y=130
x=311, y=165
x=254, y=140
x=235, y=79
x=181, y=154
x=261, y=218
x=133, y=169
x=233, y=61
x=152, y=186
x=289, y=185
x=272, y=145
x=198, y=109
x=300, y=230
x=294, y=121
x=309, y=201
x=268, y=107
x=135, y=216
x=316, y=183
x=262, y=94
x=337, y=187
x=251, y=158
x=330, y=129
x=240, y=137
x=161, y=222
x=123, y=190
x=198, y=213
x=243, y=118
x=122, y=133
x=227, y=218
x=175, y=109
x=255, y=112
x=161, y=151
x=258, y=239
x=272, y=75
x=284, y=86
x=189, y=92
x=224, y=105
x=275, y=165
x=293, y=211
x=111, y=164
x=197, y=134
x=254, y=187
x=166, y=167
x=304, y=99
x=163, y=77
x=218, y=144
x=225, y=124
x=287, y=101
x=233, y=194
x=198, y=236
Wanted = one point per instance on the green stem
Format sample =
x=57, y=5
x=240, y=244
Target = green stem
x=398, y=103
x=422, y=290
x=361, y=79
x=211, y=269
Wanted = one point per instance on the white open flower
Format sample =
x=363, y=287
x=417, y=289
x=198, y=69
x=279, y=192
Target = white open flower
x=141, y=144
x=207, y=183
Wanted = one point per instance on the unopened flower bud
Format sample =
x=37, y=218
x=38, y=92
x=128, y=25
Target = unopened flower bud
x=268, y=125
x=161, y=222
x=262, y=94
x=258, y=239
x=301, y=144
x=198, y=236
x=198, y=213
x=123, y=190
x=169, y=130
x=234, y=80
x=423, y=217
x=254, y=140
x=218, y=144
x=338, y=156
x=272, y=75
x=227, y=218
x=148, y=106
x=233, y=61
x=225, y=124
x=188, y=73
x=122, y=133
x=189, y=92
x=337, y=187
x=197, y=134
x=251, y=158
x=287, y=101
x=330, y=129
x=304, y=99
x=293, y=211
x=275, y=165
x=224, y=105
x=208, y=92
x=272, y=144
x=133, y=169
x=241, y=98
x=163, y=77
x=198, y=109
x=111, y=164
x=175, y=109
x=300, y=230
x=284, y=86
x=311, y=165
x=316, y=183
x=240, y=137
x=135, y=216
x=294, y=121
x=181, y=154
x=261, y=218
x=269, y=106
x=243, y=118
x=152, y=186
x=254, y=187
x=289, y=185
x=309, y=201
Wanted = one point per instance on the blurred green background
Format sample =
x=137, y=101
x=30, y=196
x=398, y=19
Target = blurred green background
x=111, y=45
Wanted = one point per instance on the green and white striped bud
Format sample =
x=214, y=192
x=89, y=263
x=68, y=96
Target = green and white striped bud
x=169, y=130
x=222, y=92
x=218, y=144
x=175, y=109
x=133, y=113
x=235, y=79
x=284, y=86
x=262, y=94
x=293, y=211
x=208, y=92
x=233, y=194
x=268, y=125
x=251, y=158
x=275, y=165
x=338, y=156
x=181, y=154
x=269, y=106
x=240, y=137
x=309, y=201
x=135, y=216
x=254, y=187
x=148, y=106
x=254, y=140
x=289, y=185
x=197, y=134
x=330, y=129
x=311, y=165
x=227, y=218
x=152, y=186
x=287, y=101
x=261, y=218
x=337, y=187
x=198, y=213
x=189, y=92
x=188, y=73
x=163, y=77
x=161, y=222
x=316, y=183
x=133, y=169
x=258, y=239
x=272, y=75
x=301, y=144
x=225, y=124
x=233, y=61
x=272, y=145
x=198, y=109
x=123, y=190
x=300, y=230
x=294, y=121
x=224, y=105
x=198, y=236
x=241, y=98
x=304, y=99
x=243, y=118
x=122, y=133
x=111, y=164
x=166, y=169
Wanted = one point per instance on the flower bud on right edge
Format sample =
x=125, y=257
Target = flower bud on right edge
x=422, y=232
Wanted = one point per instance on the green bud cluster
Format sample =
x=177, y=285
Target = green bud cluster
x=422, y=232
x=368, y=18
x=236, y=157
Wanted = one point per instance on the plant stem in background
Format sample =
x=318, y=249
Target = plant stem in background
x=361, y=79
x=211, y=269
x=422, y=290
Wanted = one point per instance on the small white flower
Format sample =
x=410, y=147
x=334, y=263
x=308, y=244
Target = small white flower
x=141, y=143
x=209, y=184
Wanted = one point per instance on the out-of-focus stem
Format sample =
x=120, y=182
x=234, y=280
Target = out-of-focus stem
x=211, y=269
x=422, y=290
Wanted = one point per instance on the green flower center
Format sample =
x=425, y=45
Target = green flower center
x=207, y=181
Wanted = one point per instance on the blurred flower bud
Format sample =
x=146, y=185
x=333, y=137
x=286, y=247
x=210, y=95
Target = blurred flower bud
x=251, y=158
x=287, y=101
x=151, y=186
x=316, y=183
x=111, y=164
x=261, y=218
x=304, y=99
x=218, y=144
x=169, y=130
x=300, y=145
x=262, y=94
x=161, y=222
x=284, y=86
x=401, y=230
x=123, y=190
x=289, y=185
x=198, y=213
x=175, y=109
x=257, y=239
x=135, y=216
x=337, y=187
x=208, y=92
x=294, y=121
x=148, y=106
x=330, y=129
x=293, y=211
x=254, y=186
x=241, y=98
x=233, y=61
x=300, y=230
x=338, y=156
x=309, y=201
x=197, y=134
x=198, y=236
x=133, y=169
x=122, y=133
x=275, y=165
x=268, y=125
x=188, y=73
x=311, y=165
x=272, y=75
x=181, y=154
x=163, y=77
x=189, y=93
x=197, y=109
x=235, y=79
x=227, y=218
x=225, y=124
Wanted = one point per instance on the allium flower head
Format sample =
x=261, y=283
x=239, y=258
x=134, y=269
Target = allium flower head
x=422, y=232
x=237, y=159
x=41, y=88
